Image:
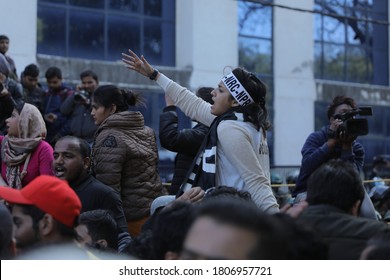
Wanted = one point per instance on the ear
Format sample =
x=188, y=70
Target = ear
x=12, y=247
x=235, y=103
x=46, y=226
x=355, y=208
x=86, y=162
x=101, y=244
x=169, y=255
x=113, y=109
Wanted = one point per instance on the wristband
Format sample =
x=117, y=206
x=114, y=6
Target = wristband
x=331, y=134
x=153, y=76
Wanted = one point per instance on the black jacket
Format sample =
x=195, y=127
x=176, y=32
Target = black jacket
x=93, y=195
x=345, y=234
x=185, y=143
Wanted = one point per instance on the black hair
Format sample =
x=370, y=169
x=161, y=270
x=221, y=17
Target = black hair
x=205, y=94
x=31, y=70
x=337, y=101
x=239, y=213
x=256, y=112
x=84, y=147
x=101, y=225
x=3, y=37
x=302, y=242
x=89, y=73
x=141, y=247
x=53, y=72
x=227, y=192
x=170, y=228
x=336, y=183
x=37, y=214
x=108, y=95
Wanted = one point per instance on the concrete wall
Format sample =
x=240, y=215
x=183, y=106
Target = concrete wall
x=207, y=39
x=19, y=23
x=294, y=85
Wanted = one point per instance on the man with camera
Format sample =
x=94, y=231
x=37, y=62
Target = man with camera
x=334, y=141
x=78, y=107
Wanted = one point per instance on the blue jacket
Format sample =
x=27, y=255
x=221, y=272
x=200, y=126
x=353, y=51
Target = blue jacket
x=315, y=152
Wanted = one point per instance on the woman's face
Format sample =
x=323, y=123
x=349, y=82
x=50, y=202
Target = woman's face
x=223, y=100
x=99, y=113
x=12, y=124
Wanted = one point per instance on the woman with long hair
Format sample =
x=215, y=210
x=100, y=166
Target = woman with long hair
x=124, y=153
x=235, y=151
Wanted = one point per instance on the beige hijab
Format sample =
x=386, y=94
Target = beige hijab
x=17, y=150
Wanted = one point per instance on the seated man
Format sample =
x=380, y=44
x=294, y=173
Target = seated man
x=97, y=229
x=335, y=193
x=71, y=163
x=44, y=212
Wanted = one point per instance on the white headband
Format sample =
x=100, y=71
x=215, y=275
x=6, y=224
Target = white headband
x=237, y=90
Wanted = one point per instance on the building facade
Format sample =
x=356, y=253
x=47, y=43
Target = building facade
x=197, y=40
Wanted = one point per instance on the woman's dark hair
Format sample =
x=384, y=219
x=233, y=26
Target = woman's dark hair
x=339, y=100
x=256, y=112
x=108, y=95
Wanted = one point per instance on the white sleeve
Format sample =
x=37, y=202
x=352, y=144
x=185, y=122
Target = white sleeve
x=192, y=106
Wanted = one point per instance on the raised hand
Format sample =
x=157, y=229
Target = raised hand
x=140, y=65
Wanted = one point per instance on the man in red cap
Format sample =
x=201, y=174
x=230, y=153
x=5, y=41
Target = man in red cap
x=44, y=212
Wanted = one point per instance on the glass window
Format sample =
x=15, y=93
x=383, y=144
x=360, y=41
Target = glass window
x=255, y=48
x=102, y=29
x=153, y=7
x=98, y=4
x=123, y=33
x=255, y=54
x=51, y=26
x=86, y=37
x=342, y=24
x=125, y=5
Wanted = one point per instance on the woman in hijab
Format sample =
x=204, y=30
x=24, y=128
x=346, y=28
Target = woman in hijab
x=24, y=153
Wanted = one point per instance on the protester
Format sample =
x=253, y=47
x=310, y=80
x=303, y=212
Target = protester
x=4, y=47
x=72, y=163
x=335, y=193
x=11, y=93
x=185, y=142
x=24, y=153
x=235, y=152
x=124, y=154
x=44, y=212
x=32, y=90
x=57, y=124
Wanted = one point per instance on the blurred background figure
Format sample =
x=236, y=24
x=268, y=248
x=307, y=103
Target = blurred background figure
x=77, y=107
x=32, y=90
x=4, y=47
x=10, y=93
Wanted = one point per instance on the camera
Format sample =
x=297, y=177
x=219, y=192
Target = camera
x=352, y=125
x=1, y=87
x=81, y=96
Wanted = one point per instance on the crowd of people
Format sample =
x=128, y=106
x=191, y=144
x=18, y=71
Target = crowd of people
x=79, y=175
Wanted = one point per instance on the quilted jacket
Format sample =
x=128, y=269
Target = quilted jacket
x=125, y=157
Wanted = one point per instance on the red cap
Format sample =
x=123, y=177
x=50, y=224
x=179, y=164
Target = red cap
x=50, y=194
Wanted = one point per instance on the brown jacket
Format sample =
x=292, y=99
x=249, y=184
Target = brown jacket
x=125, y=157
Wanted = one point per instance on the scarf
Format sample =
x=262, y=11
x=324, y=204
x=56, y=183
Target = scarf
x=204, y=166
x=17, y=150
